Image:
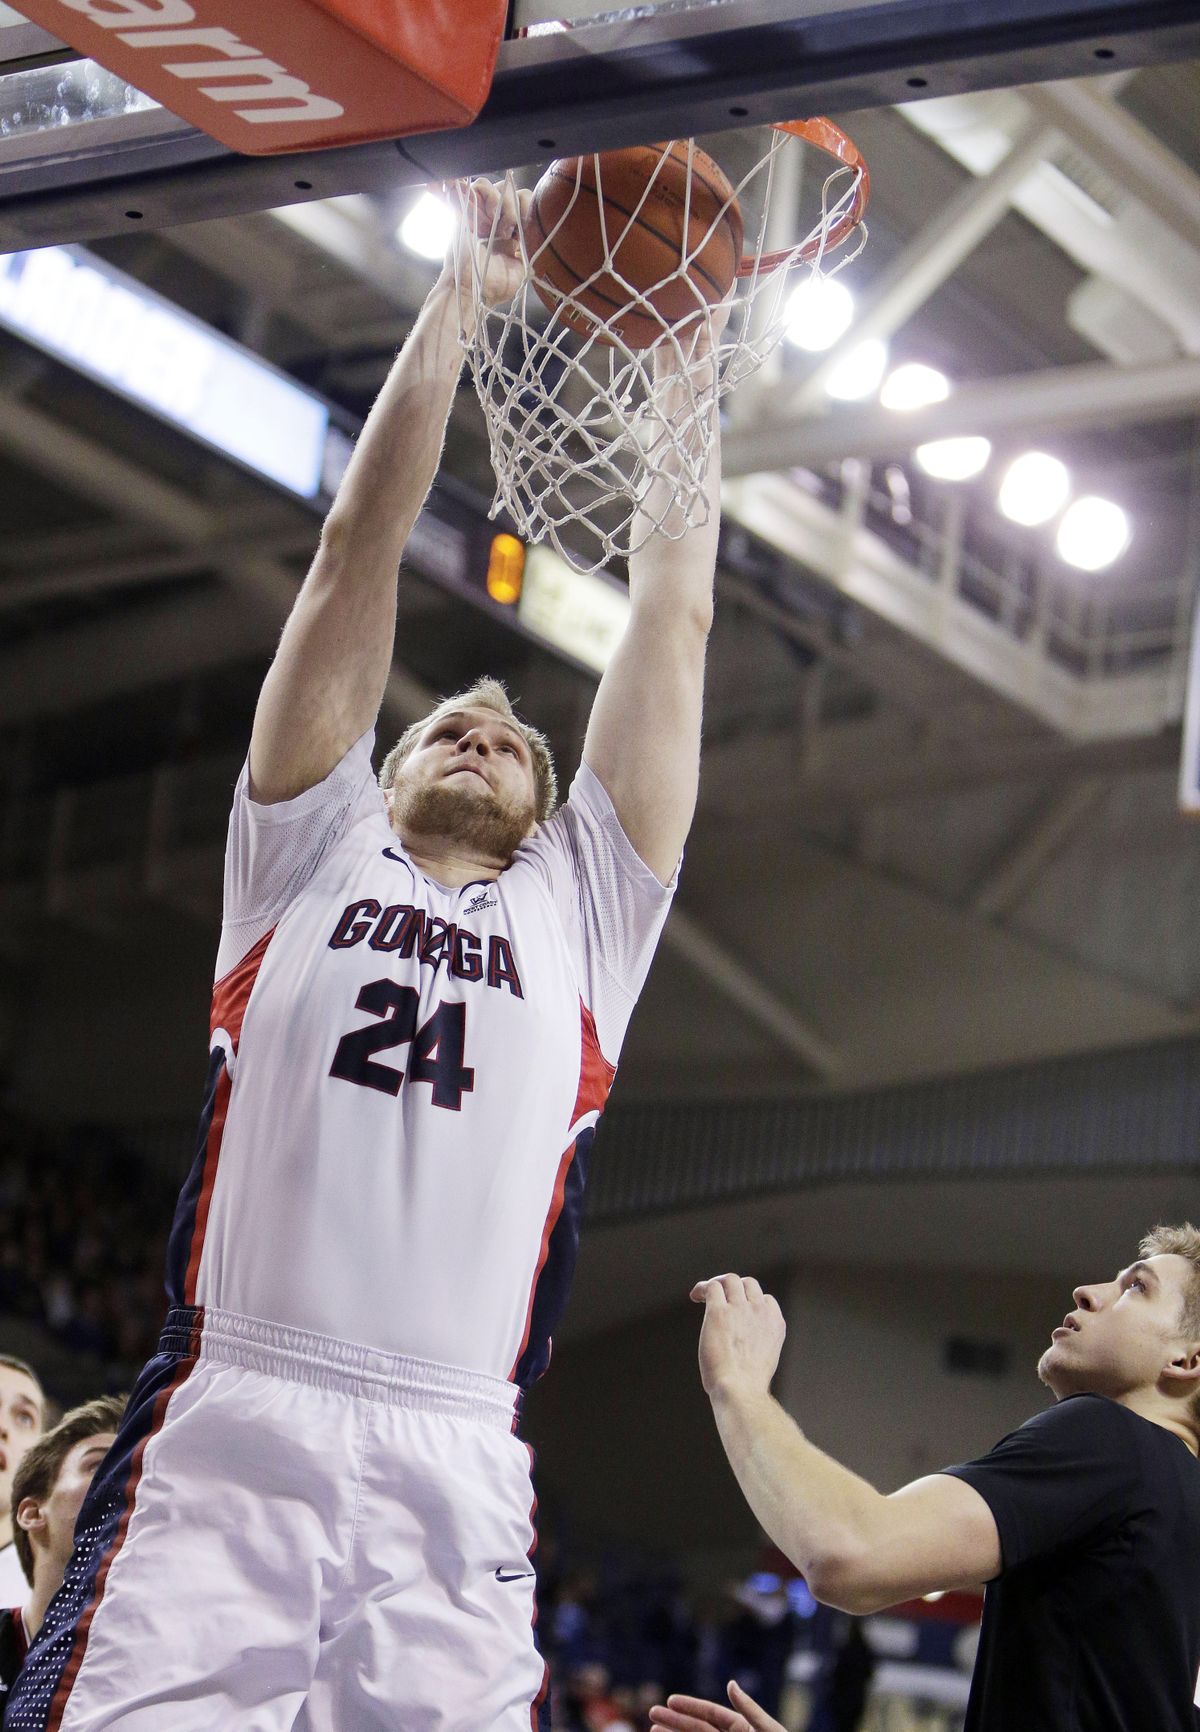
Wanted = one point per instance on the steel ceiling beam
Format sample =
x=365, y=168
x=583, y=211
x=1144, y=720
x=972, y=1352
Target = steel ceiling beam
x=1095, y=395
x=758, y=1001
x=265, y=587
x=863, y=568
x=1019, y=864
x=928, y=260
x=53, y=673
x=92, y=576
x=1126, y=151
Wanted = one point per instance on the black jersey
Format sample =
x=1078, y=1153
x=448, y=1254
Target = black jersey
x=13, y=1647
x=1093, y=1624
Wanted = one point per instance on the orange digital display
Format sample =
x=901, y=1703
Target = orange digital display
x=506, y=569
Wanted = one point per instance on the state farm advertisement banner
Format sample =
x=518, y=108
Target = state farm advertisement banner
x=294, y=74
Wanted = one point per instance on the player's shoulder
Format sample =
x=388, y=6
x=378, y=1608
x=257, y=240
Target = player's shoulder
x=1084, y=1417
x=1082, y=1409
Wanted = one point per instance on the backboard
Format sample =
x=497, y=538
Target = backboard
x=81, y=157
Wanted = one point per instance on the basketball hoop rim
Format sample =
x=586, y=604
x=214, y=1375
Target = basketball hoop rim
x=826, y=136
x=822, y=132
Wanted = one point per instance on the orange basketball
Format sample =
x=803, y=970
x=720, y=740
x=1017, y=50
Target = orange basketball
x=626, y=238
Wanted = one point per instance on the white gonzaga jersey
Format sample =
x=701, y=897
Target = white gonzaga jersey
x=14, y=1589
x=405, y=1079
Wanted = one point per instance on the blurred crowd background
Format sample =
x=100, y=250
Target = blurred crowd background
x=83, y=1233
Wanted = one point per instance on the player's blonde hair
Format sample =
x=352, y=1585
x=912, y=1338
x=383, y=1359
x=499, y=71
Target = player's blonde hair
x=1181, y=1241
x=485, y=694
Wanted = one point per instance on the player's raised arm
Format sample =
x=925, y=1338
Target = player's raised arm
x=857, y=1548
x=325, y=686
x=643, y=740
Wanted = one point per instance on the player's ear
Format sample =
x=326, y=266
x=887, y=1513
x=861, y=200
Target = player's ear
x=30, y=1516
x=1185, y=1366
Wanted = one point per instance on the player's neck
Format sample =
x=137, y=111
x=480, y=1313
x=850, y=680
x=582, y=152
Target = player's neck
x=47, y=1579
x=450, y=864
x=1149, y=1404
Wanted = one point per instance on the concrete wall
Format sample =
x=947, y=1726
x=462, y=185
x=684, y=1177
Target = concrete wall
x=627, y=1449
x=863, y=1369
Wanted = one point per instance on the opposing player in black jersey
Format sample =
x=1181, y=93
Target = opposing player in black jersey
x=1085, y=1522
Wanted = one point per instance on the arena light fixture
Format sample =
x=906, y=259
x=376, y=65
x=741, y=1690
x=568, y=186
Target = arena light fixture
x=428, y=228
x=913, y=386
x=819, y=311
x=858, y=375
x=959, y=459
x=1034, y=488
x=1093, y=533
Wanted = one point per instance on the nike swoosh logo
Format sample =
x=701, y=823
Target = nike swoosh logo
x=513, y=1575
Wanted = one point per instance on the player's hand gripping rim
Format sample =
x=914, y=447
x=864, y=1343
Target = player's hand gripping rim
x=487, y=257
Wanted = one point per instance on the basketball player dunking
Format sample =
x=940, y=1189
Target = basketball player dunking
x=317, y=1513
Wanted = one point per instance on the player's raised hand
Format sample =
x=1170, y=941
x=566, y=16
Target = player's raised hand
x=495, y=215
x=690, y=1714
x=691, y=351
x=742, y=1335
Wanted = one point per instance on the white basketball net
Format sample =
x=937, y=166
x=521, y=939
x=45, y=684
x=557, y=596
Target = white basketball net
x=582, y=427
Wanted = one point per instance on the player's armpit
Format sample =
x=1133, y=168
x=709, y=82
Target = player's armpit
x=935, y=1533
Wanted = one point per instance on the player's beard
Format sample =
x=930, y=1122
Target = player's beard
x=486, y=826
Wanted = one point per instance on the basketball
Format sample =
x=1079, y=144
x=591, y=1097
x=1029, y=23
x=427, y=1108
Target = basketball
x=631, y=242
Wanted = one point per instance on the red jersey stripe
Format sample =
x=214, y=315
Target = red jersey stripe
x=230, y=998
x=595, y=1073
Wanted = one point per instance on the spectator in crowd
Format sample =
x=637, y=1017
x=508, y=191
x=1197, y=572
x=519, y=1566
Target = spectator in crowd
x=47, y=1490
x=22, y=1419
x=595, y=1705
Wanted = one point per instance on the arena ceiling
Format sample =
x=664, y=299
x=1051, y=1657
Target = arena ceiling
x=937, y=828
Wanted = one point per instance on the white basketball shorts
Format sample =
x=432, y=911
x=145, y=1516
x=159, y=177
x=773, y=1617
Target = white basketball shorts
x=292, y=1531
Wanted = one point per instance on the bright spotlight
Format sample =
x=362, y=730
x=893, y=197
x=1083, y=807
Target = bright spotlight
x=818, y=311
x=428, y=228
x=1093, y=533
x=954, y=459
x=1034, y=489
x=859, y=373
x=914, y=385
